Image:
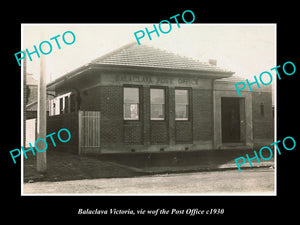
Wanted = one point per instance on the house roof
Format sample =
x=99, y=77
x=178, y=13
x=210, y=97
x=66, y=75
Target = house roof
x=151, y=57
x=144, y=56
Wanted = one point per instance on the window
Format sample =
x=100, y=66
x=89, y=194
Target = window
x=182, y=104
x=61, y=106
x=157, y=101
x=131, y=103
x=53, y=105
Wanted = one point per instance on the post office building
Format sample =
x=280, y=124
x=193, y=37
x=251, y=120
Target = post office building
x=142, y=99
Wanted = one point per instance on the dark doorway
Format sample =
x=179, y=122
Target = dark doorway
x=231, y=119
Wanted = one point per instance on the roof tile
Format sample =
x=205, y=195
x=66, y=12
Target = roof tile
x=148, y=56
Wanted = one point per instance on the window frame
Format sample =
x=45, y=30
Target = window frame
x=138, y=104
x=60, y=107
x=164, y=105
x=189, y=112
x=61, y=101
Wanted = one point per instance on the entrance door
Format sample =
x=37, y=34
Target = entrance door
x=232, y=120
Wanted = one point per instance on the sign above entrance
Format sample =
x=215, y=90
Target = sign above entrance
x=161, y=80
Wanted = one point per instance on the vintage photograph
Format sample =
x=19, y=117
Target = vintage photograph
x=106, y=113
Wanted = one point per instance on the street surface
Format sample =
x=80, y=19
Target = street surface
x=252, y=181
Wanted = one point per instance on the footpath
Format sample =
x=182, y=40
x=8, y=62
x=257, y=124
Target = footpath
x=166, y=162
x=63, y=166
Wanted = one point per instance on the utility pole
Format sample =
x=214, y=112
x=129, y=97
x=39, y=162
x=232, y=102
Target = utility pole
x=41, y=157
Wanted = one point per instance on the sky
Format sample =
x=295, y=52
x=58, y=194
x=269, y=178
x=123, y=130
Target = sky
x=246, y=49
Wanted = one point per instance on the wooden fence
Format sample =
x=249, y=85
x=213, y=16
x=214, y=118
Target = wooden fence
x=84, y=127
x=89, y=132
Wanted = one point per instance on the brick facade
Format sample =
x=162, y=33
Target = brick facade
x=202, y=115
x=125, y=135
x=111, y=105
x=196, y=133
x=99, y=86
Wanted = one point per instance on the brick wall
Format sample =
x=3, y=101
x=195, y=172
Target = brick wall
x=263, y=125
x=183, y=132
x=133, y=134
x=202, y=115
x=90, y=99
x=108, y=100
x=183, y=129
x=159, y=133
x=111, y=105
x=117, y=133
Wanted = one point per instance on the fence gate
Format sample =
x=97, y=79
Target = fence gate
x=89, y=132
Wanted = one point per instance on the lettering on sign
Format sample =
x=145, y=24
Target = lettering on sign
x=156, y=80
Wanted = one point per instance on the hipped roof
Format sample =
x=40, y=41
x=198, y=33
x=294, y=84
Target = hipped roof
x=148, y=57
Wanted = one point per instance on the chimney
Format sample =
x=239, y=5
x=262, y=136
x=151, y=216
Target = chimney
x=212, y=62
